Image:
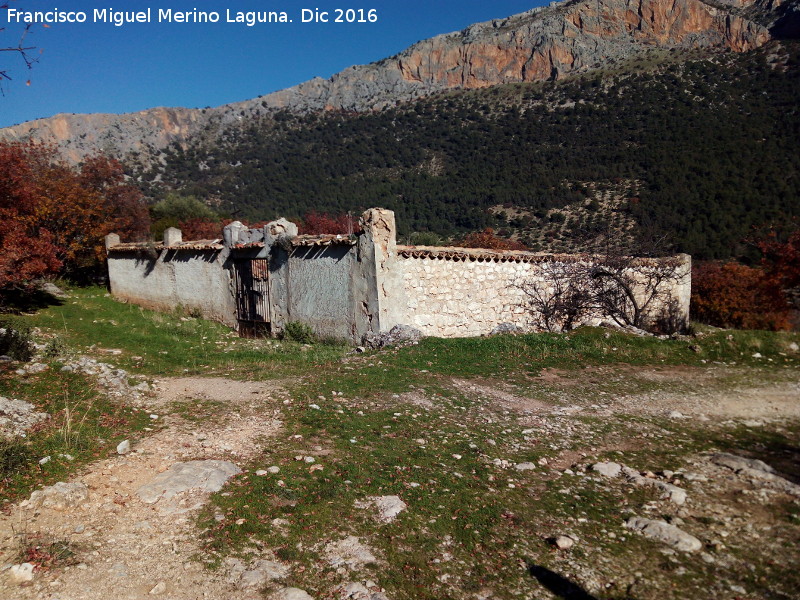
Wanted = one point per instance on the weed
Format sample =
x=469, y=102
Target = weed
x=16, y=341
x=296, y=331
x=15, y=454
x=45, y=552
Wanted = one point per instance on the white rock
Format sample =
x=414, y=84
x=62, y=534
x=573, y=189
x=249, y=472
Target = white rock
x=261, y=472
x=159, y=589
x=274, y=470
x=290, y=594
x=564, y=542
x=124, y=447
x=45, y=460
x=794, y=347
x=263, y=572
x=21, y=573
x=61, y=496
x=607, y=469
x=388, y=506
x=348, y=552
x=205, y=475
x=665, y=533
x=525, y=466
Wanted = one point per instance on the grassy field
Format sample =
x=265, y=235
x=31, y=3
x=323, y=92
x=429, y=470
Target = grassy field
x=444, y=425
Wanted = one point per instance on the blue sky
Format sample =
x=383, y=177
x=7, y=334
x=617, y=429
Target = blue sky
x=98, y=67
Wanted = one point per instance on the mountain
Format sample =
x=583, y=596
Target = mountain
x=546, y=43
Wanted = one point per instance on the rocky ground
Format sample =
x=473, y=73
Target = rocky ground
x=717, y=521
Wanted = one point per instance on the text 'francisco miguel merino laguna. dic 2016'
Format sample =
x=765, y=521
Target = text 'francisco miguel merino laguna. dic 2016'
x=168, y=15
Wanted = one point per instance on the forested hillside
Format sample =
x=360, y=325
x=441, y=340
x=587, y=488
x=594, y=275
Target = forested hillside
x=708, y=146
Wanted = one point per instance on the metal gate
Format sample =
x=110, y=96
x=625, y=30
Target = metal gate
x=252, y=295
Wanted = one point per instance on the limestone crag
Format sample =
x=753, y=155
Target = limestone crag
x=540, y=44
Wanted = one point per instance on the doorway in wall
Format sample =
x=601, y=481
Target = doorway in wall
x=251, y=278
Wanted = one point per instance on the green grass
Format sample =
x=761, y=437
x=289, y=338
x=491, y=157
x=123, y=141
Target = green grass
x=470, y=524
x=84, y=426
x=155, y=343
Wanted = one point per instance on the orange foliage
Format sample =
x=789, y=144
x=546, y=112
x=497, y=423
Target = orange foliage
x=201, y=229
x=781, y=256
x=315, y=223
x=54, y=217
x=489, y=240
x=734, y=295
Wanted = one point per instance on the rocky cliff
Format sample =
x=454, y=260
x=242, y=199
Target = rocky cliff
x=540, y=44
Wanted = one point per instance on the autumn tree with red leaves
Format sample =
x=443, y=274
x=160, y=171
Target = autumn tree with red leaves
x=53, y=217
x=315, y=223
x=735, y=295
x=490, y=240
x=780, y=251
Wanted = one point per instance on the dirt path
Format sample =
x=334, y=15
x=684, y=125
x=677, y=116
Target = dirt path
x=130, y=549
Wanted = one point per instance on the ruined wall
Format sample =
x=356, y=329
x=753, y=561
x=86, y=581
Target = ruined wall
x=194, y=280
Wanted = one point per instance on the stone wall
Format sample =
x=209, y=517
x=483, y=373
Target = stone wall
x=345, y=287
x=462, y=298
x=451, y=292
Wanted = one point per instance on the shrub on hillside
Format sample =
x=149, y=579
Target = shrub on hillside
x=735, y=295
x=489, y=240
x=16, y=343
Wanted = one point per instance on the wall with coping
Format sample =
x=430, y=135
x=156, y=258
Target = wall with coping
x=345, y=288
x=193, y=280
x=454, y=298
x=447, y=295
x=320, y=292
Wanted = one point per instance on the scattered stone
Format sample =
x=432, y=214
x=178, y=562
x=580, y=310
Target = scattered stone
x=563, y=542
x=399, y=335
x=124, y=447
x=17, y=416
x=360, y=590
x=525, y=466
x=388, y=506
x=757, y=355
x=348, y=552
x=607, y=469
x=665, y=533
x=674, y=414
x=159, y=589
x=274, y=470
x=756, y=470
x=261, y=573
x=79, y=529
x=674, y=493
x=794, y=347
x=61, y=496
x=261, y=472
x=291, y=594
x=205, y=475
x=506, y=328
x=21, y=573
x=45, y=460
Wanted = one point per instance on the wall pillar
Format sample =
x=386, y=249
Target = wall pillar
x=172, y=237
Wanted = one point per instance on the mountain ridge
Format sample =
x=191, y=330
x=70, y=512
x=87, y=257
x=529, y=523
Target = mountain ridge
x=540, y=44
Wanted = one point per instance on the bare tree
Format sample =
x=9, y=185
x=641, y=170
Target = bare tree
x=558, y=298
x=21, y=49
x=630, y=285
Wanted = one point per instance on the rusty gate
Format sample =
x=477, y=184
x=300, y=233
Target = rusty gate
x=252, y=296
